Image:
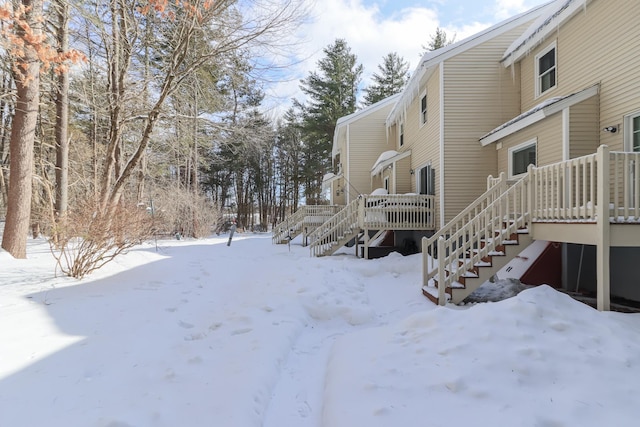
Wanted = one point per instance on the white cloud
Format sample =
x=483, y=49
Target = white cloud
x=371, y=35
x=506, y=8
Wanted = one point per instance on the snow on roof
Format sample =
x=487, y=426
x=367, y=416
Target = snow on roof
x=379, y=192
x=542, y=110
x=435, y=57
x=377, y=166
x=386, y=159
x=526, y=114
x=328, y=176
x=554, y=15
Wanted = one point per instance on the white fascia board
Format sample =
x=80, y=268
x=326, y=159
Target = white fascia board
x=343, y=122
x=431, y=60
x=513, y=128
x=557, y=13
x=547, y=111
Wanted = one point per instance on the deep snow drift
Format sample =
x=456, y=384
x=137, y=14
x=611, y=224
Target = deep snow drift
x=255, y=334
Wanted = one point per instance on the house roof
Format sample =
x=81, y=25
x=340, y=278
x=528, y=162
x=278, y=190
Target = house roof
x=387, y=158
x=433, y=58
x=554, y=16
x=544, y=109
x=342, y=122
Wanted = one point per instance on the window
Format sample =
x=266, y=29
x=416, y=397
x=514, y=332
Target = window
x=401, y=134
x=546, y=70
x=520, y=157
x=423, y=109
x=427, y=183
x=632, y=130
x=386, y=183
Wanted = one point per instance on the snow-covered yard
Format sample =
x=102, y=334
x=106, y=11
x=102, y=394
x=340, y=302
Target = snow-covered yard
x=201, y=334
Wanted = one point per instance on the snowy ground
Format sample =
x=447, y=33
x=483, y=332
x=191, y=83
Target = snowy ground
x=201, y=334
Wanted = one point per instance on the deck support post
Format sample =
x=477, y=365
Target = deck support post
x=603, y=229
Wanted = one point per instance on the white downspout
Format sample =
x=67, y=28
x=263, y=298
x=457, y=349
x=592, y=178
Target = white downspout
x=441, y=198
x=347, y=168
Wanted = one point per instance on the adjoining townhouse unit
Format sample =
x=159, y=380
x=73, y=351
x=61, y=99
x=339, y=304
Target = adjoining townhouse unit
x=358, y=140
x=433, y=162
x=371, y=217
x=457, y=94
x=568, y=158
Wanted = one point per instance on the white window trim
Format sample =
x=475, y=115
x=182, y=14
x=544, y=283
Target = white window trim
x=520, y=147
x=401, y=134
x=628, y=137
x=537, y=69
x=426, y=111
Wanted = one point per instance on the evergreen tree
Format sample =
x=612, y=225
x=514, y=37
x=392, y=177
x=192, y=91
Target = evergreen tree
x=394, y=74
x=332, y=92
x=438, y=40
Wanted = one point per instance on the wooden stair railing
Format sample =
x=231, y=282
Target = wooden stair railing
x=462, y=250
x=341, y=227
x=290, y=227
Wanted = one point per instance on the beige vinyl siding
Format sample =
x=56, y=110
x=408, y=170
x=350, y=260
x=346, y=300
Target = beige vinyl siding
x=403, y=176
x=549, y=137
x=480, y=94
x=424, y=141
x=367, y=139
x=583, y=128
x=598, y=45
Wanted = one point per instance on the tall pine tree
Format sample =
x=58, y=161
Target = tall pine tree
x=331, y=93
x=438, y=40
x=393, y=76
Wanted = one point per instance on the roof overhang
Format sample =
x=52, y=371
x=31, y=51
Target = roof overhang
x=431, y=60
x=382, y=163
x=545, y=109
x=556, y=14
x=328, y=179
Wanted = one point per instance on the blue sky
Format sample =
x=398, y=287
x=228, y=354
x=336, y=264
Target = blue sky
x=373, y=28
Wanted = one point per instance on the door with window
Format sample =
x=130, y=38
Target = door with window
x=632, y=143
x=427, y=181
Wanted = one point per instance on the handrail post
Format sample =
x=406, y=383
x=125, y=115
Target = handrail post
x=425, y=262
x=361, y=205
x=442, y=286
x=603, y=228
x=530, y=208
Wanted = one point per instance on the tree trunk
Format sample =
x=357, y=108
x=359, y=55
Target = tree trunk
x=14, y=239
x=62, y=116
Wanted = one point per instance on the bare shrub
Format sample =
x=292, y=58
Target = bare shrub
x=180, y=211
x=87, y=239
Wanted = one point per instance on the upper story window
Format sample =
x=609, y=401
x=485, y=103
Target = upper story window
x=423, y=109
x=401, y=140
x=546, y=69
x=521, y=156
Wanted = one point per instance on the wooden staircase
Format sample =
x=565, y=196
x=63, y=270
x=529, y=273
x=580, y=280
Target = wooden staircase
x=478, y=242
x=303, y=221
x=479, y=272
x=368, y=217
x=337, y=231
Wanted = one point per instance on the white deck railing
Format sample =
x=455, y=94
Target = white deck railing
x=562, y=192
x=430, y=245
x=307, y=216
x=380, y=212
x=334, y=229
